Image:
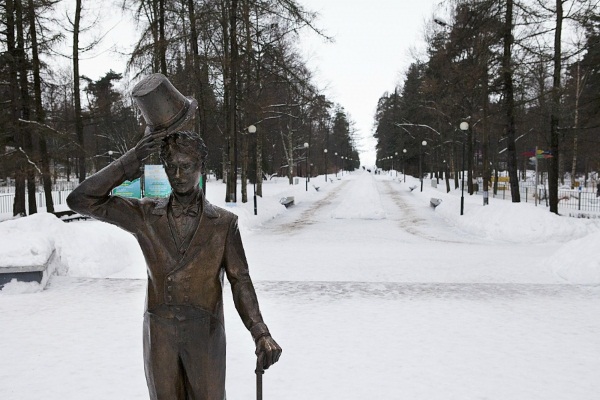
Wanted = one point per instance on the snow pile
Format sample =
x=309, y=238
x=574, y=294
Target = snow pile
x=96, y=249
x=520, y=222
x=28, y=241
x=578, y=261
x=507, y=221
x=16, y=287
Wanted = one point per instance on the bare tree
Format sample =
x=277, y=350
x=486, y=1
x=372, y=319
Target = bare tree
x=509, y=103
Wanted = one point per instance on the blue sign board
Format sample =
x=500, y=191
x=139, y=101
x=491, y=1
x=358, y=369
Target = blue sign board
x=156, y=183
x=130, y=189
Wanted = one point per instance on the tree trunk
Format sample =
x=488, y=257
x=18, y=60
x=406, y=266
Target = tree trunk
x=19, y=201
x=245, y=102
x=162, y=41
x=470, y=157
x=576, y=125
x=245, y=163
x=26, y=136
x=232, y=66
x=455, y=164
x=76, y=93
x=198, y=85
x=554, y=115
x=259, y=172
x=509, y=102
x=485, y=137
x=39, y=110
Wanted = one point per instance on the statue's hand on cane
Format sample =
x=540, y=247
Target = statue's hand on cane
x=268, y=351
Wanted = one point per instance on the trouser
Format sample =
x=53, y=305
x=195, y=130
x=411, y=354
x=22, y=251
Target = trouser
x=184, y=359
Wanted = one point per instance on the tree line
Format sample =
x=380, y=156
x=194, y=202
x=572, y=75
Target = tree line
x=522, y=74
x=238, y=58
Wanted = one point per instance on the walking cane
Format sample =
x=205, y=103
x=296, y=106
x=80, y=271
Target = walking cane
x=259, y=373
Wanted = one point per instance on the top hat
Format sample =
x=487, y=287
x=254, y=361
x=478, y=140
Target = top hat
x=164, y=108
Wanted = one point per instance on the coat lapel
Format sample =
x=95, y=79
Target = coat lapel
x=203, y=233
x=162, y=226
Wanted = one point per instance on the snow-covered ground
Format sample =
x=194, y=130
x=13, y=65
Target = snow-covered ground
x=371, y=292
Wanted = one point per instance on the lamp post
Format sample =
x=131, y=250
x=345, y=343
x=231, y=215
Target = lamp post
x=395, y=155
x=306, y=164
x=110, y=154
x=423, y=143
x=252, y=129
x=342, y=158
x=325, y=152
x=464, y=126
x=404, y=163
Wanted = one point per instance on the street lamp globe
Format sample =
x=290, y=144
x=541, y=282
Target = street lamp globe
x=424, y=142
x=404, y=151
x=464, y=126
x=252, y=129
x=325, y=151
x=305, y=145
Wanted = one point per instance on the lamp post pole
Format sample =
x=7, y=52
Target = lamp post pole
x=423, y=143
x=395, y=155
x=306, y=165
x=325, y=151
x=464, y=126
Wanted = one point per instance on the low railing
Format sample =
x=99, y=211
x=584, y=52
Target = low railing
x=580, y=200
x=7, y=199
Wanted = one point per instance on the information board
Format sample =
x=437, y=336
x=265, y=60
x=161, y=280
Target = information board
x=156, y=183
x=130, y=189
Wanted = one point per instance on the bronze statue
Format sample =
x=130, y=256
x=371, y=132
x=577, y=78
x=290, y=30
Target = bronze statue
x=188, y=244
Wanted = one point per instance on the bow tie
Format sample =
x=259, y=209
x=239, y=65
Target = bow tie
x=190, y=211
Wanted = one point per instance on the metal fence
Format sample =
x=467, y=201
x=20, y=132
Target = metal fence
x=580, y=200
x=7, y=200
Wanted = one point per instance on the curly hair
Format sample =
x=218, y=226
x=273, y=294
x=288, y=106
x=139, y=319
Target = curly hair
x=186, y=142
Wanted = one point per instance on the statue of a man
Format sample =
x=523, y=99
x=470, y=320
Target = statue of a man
x=188, y=244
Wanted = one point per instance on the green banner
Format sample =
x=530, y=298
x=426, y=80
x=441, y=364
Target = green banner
x=130, y=189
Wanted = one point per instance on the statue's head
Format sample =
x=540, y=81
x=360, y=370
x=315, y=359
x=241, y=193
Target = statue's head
x=183, y=155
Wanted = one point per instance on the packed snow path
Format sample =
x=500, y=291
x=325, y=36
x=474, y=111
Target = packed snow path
x=369, y=229
x=371, y=294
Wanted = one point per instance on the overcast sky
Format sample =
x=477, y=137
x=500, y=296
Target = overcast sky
x=371, y=51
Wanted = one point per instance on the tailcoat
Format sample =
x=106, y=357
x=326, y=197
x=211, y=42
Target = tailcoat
x=184, y=338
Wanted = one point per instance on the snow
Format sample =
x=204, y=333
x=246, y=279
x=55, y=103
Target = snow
x=370, y=291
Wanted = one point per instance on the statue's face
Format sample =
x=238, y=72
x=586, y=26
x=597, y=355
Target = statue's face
x=183, y=171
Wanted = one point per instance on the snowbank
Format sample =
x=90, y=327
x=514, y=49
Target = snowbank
x=93, y=249
x=578, y=261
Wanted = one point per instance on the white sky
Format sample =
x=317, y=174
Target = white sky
x=371, y=50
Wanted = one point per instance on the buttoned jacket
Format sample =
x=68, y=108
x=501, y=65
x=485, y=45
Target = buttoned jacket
x=191, y=276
